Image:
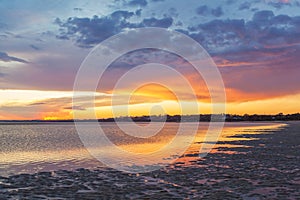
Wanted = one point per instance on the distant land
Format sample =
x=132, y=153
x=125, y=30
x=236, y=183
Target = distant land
x=179, y=118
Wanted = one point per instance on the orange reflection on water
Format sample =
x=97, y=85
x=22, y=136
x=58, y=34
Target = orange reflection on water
x=146, y=146
x=230, y=132
x=43, y=156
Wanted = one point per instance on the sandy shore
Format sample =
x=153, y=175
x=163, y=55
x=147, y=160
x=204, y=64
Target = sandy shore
x=269, y=168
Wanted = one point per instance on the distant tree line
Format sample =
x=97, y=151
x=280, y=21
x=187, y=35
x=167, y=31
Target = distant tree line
x=180, y=118
x=206, y=118
x=255, y=117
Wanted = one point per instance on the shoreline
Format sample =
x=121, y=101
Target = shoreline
x=176, y=118
x=72, y=122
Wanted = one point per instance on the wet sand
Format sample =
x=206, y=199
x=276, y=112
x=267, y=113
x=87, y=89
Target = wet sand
x=266, y=168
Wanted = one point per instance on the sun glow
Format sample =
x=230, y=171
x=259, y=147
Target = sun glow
x=146, y=100
x=50, y=118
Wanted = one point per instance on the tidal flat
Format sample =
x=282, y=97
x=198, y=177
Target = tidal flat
x=251, y=165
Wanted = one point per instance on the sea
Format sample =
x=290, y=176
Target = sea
x=37, y=147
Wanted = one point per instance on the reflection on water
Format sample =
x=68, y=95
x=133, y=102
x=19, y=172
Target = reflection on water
x=232, y=132
x=43, y=147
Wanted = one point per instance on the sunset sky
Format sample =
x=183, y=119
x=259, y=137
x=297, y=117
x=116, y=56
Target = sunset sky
x=255, y=44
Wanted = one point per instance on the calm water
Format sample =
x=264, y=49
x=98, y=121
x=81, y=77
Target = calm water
x=30, y=148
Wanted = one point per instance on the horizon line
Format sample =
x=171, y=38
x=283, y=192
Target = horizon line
x=140, y=116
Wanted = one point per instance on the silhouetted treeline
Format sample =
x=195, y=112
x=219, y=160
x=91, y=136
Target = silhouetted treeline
x=178, y=118
x=207, y=118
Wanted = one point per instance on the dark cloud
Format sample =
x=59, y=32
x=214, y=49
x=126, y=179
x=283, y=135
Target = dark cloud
x=90, y=31
x=205, y=10
x=254, y=9
x=248, y=51
x=217, y=36
x=77, y=9
x=265, y=46
x=74, y=108
x=138, y=12
x=121, y=14
x=37, y=104
x=141, y=3
x=144, y=56
x=6, y=58
x=245, y=6
x=270, y=30
x=263, y=33
x=263, y=16
x=202, y=10
x=34, y=47
x=153, y=22
x=217, y=12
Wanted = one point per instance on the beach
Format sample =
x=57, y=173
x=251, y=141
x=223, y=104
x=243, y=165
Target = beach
x=150, y=99
x=264, y=167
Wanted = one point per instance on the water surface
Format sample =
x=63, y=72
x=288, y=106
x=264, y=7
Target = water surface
x=30, y=148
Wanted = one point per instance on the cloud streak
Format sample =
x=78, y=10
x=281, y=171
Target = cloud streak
x=6, y=58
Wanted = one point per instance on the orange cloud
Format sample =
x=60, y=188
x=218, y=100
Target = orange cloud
x=153, y=90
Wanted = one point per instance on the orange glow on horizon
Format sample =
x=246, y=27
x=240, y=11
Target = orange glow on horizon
x=61, y=115
x=142, y=102
x=50, y=118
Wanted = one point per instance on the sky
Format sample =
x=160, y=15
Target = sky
x=255, y=45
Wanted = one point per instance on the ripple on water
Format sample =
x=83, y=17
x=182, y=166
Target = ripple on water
x=47, y=147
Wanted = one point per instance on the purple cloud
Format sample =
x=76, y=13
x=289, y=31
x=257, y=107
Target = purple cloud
x=202, y=10
x=217, y=12
x=6, y=58
x=141, y=3
x=90, y=31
